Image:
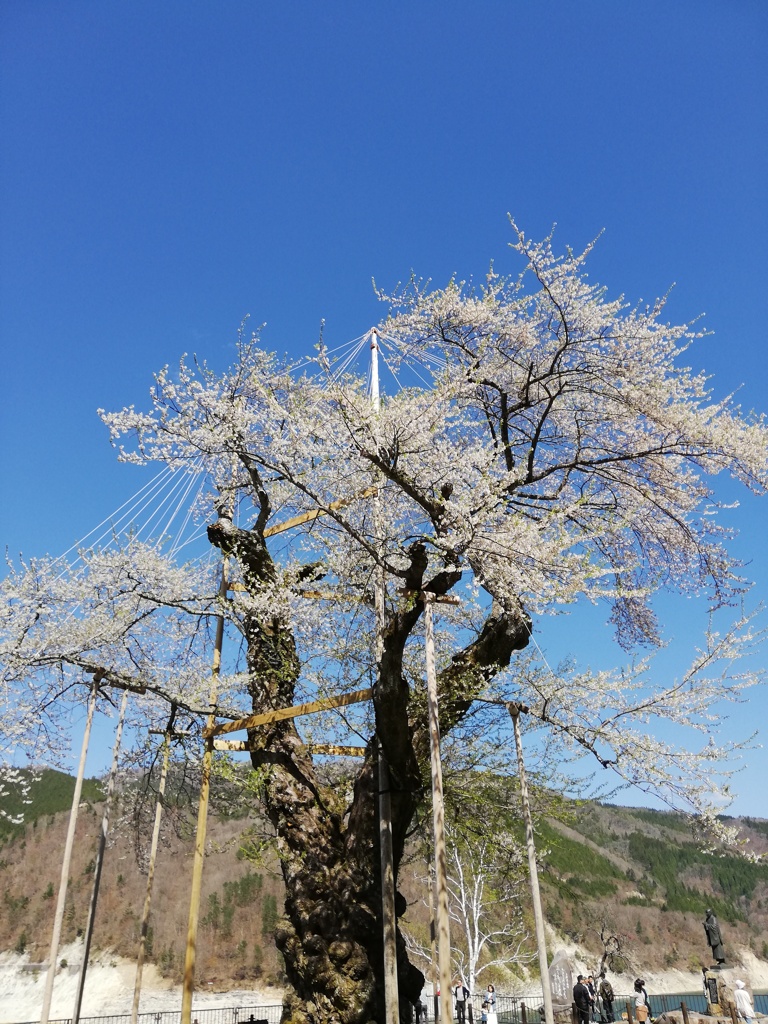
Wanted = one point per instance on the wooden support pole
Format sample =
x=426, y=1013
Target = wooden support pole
x=62, y=897
x=389, y=918
x=150, y=875
x=197, y=879
x=202, y=820
x=538, y=915
x=279, y=715
x=100, y=860
x=438, y=820
x=433, y=938
x=684, y=1011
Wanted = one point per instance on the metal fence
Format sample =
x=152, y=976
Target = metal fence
x=528, y=1010
x=510, y=1010
x=232, y=1015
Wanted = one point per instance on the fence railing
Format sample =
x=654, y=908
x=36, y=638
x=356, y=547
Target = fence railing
x=527, y=1009
x=509, y=1009
x=231, y=1015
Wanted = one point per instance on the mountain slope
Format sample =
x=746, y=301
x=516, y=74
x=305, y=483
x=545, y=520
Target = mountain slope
x=633, y=876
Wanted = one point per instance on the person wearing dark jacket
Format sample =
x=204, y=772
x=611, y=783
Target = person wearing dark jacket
x=582, y=1000
x=606, y=994
x=460, y=995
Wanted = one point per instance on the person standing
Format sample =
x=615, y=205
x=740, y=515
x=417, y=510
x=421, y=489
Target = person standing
x=490, y=998
x=592, y=997
x=642, y=1002
x=460, y=995
x=582, y=1000
x=744, y=1006
x=606, y=994
x=420, y=1008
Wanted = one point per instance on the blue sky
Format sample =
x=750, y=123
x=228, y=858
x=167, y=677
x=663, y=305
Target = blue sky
x=168, y=168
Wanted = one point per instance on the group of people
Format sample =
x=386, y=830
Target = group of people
x=487, y=1009
x=461, y=995
x=595, y=1002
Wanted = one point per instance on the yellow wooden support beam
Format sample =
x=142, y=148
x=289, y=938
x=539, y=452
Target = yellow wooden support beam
x=339, y=595
x=318, y=595
x=335, y=749
x=314, y=748
x=435, y=598
x=279, y=715
x=308, y=517
x=329, y=595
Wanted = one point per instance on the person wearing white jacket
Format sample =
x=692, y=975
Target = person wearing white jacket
x=744, y=1006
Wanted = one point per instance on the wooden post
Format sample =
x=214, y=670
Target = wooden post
x=433, y=936
x=538, y=915
x=389, y=919
x=732, y=1011
x=523, y=1013
x=684, y=1011
x=629, y=1012
x=59, y=916
x=99, y=860
x=202, y=822
x=438, y=820
x=151, y=872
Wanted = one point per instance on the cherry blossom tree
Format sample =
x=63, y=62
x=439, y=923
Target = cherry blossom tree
x=548, y=445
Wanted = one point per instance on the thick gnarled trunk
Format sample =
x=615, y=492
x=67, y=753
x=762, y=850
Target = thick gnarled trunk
x=331, y=939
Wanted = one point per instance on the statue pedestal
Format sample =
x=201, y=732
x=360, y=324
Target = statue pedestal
x=562, y=1013
x=719, y=989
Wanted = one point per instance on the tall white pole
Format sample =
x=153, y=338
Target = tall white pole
x=538, y=915
x=150, y=876
x=100, y=860
x=375, y=396
x=62, y=898
x=386, y=855
x=438, y=821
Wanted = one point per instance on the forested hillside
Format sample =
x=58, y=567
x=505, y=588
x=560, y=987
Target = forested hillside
x=638, y=875
x=627, y=882
x=49, y=792
x=240, y=899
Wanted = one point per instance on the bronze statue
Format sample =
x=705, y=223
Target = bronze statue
x=714, y=938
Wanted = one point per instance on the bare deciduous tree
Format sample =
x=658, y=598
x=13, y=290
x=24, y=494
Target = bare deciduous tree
x=485, y=903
